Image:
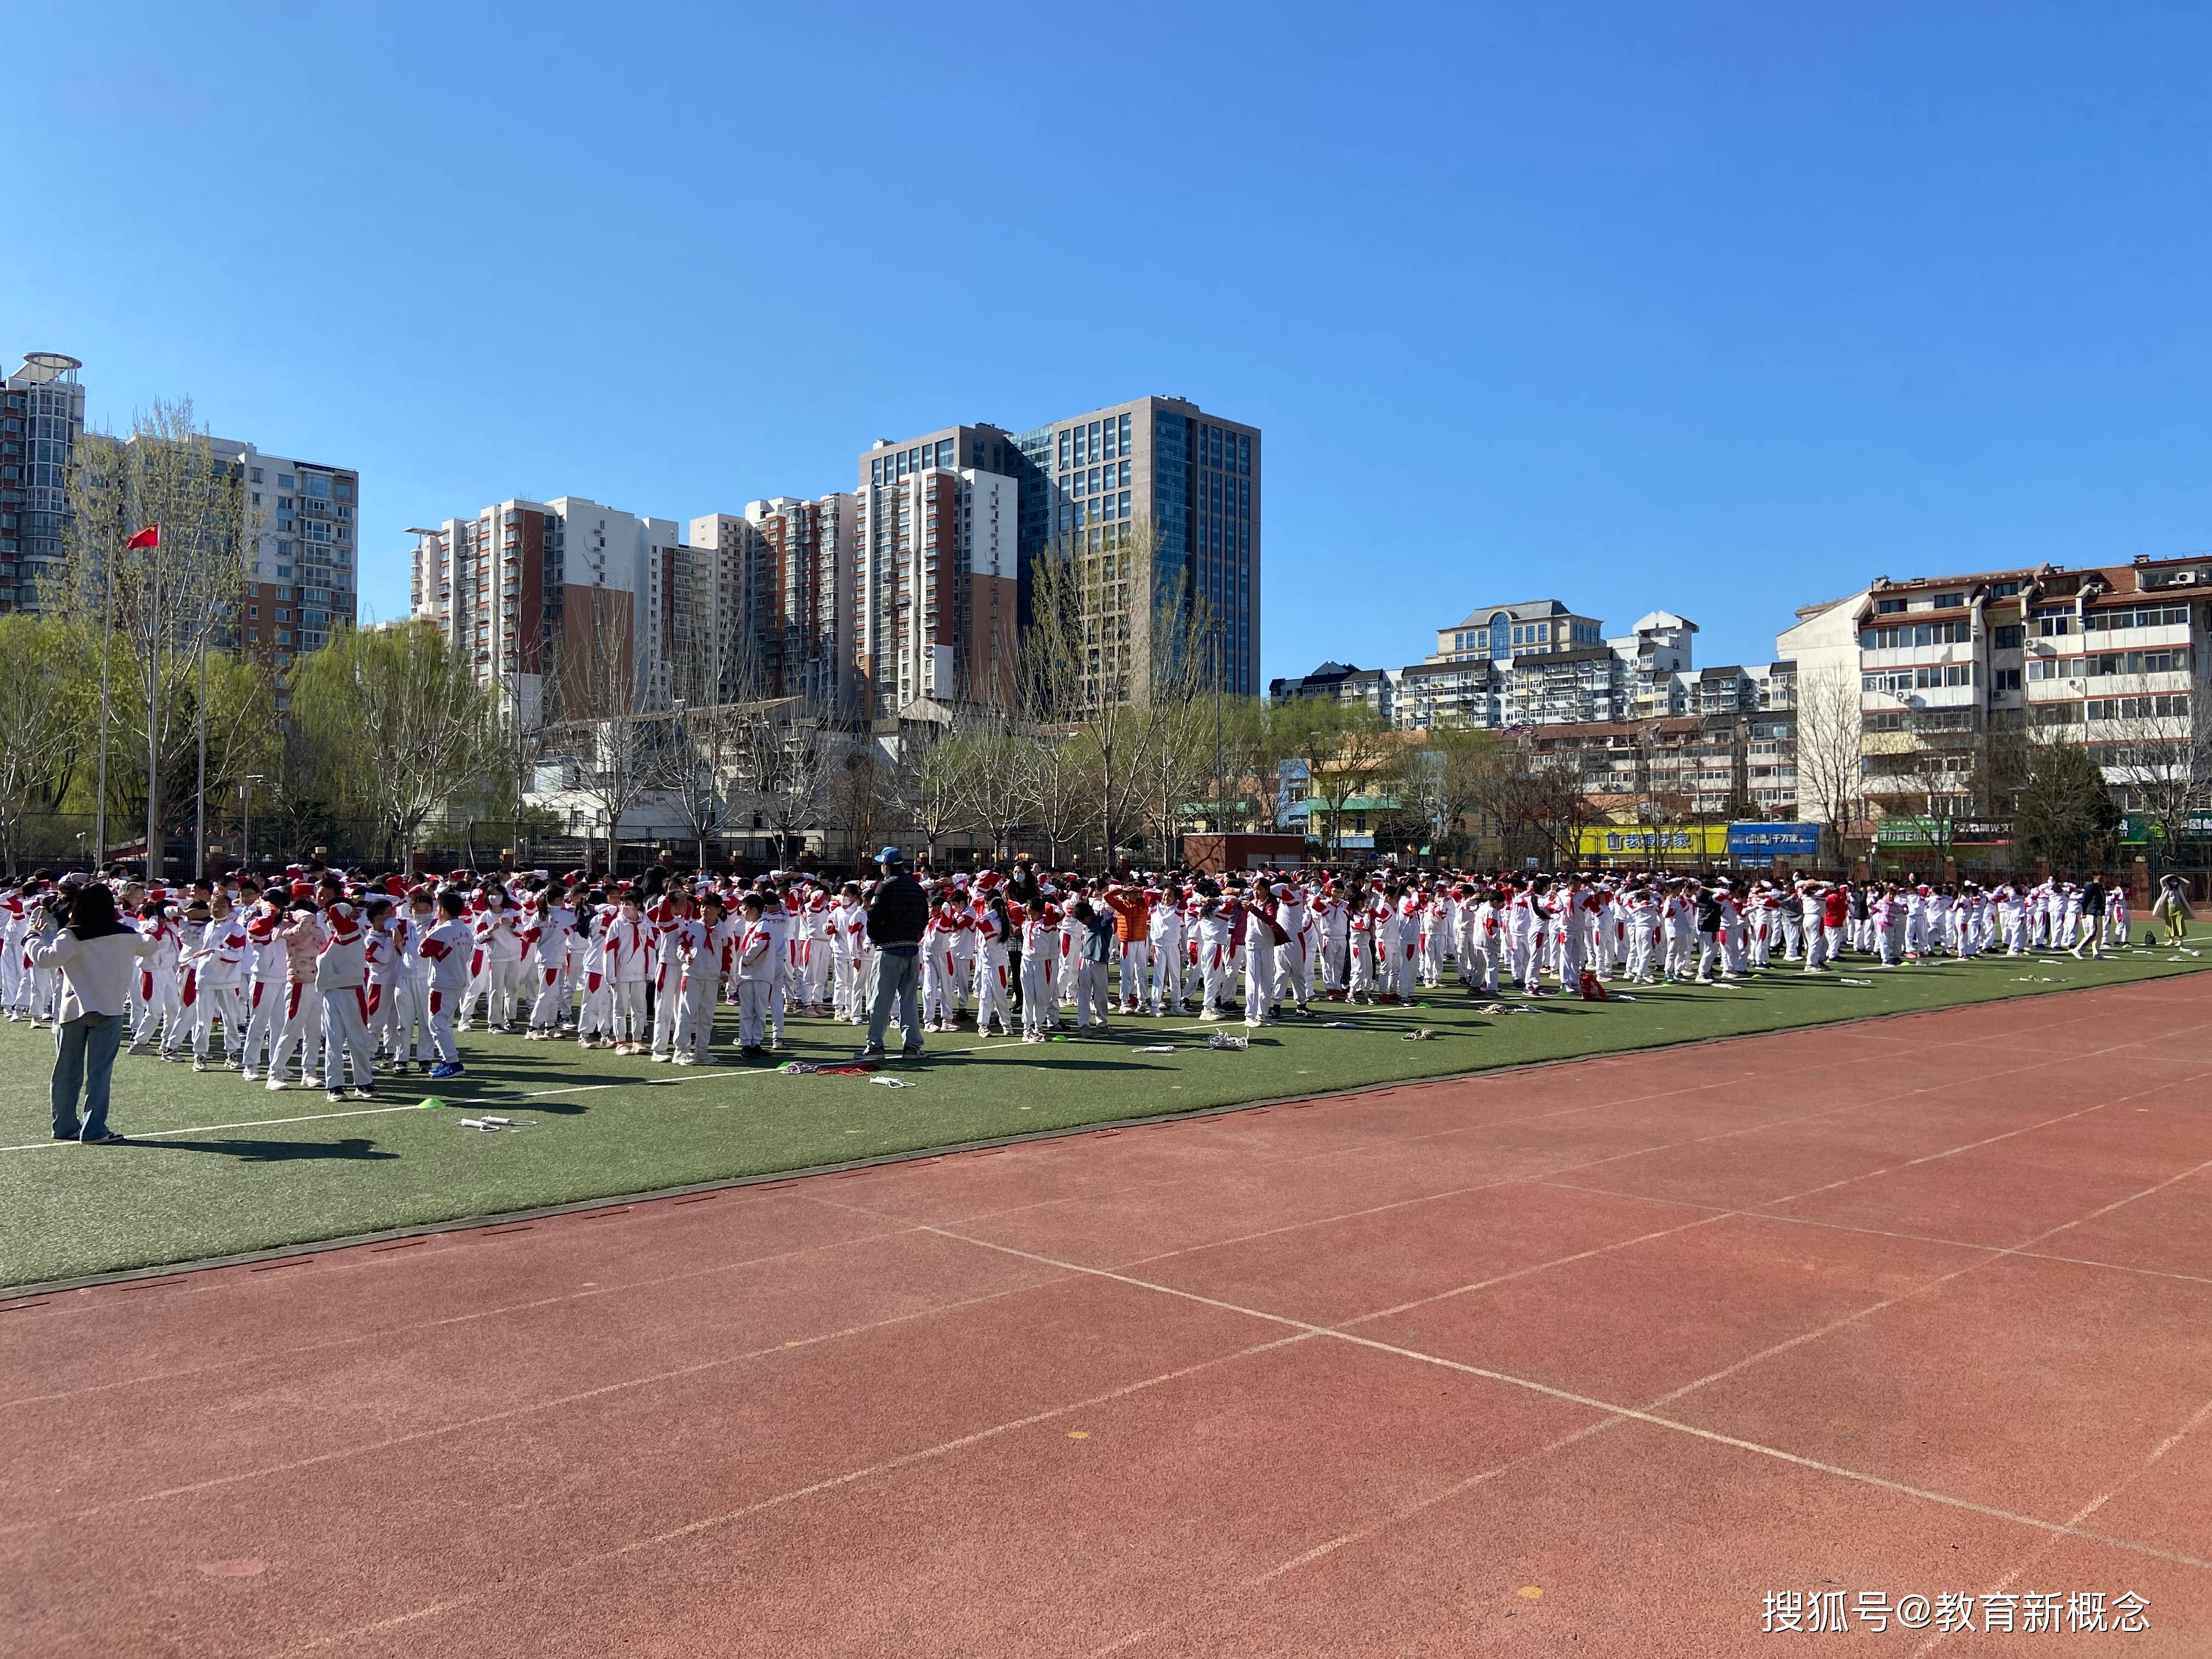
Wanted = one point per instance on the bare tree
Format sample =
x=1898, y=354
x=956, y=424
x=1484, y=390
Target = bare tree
x=990, y=768
x=862, y=787
x=1451, y=775
x=616, y=751
x=2156, y=743
x=1538, y=804
x=792, y=769
x=933, y=785
x=176, y=596
x=1349, y=754
x=715, y=730
x=1113, y=662
x=1061, y=793
x=1830, y=749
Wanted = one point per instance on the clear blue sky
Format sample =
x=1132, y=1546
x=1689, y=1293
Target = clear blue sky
x=1715, y=308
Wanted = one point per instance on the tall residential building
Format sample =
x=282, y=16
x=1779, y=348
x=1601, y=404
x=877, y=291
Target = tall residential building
x=302, y=550
x=41, y=418
x=710, y=647
x=300, y=545
x=800, y=598
x=566, y=588
x=936, y=592
x=1101, y=486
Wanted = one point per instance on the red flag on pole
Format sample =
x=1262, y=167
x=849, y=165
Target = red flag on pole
x=149, y=537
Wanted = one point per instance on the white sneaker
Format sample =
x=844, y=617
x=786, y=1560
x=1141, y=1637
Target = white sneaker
x=249, y=1075
x=275, y=1085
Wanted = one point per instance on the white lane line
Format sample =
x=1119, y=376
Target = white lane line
x=621, y=1385
x=831, y=1483
x=1612, y=1408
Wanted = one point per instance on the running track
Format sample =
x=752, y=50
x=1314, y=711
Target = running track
x=1584, y=1359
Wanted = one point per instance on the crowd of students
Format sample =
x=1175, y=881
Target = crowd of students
x=317, y=975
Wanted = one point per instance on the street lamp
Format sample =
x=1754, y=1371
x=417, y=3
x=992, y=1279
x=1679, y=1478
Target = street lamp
x=245, y=827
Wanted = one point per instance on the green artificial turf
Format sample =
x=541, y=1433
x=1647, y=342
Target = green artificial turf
x=596, y=1125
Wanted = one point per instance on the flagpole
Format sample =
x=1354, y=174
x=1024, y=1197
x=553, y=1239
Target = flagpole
x=106, y=652
x=157, y=851
x=199, y=789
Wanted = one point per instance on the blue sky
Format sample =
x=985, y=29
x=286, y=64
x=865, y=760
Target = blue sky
x=1720, y=309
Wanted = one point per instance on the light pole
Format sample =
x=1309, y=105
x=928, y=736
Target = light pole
x=1220, y=777
x=245, y=827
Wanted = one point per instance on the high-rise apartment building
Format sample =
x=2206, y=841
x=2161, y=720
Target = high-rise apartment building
x=41, y=418
x=1159, y=500
x=303, y=549
x=300, y=534
x=710, y=650
x=568, y=589
x=937, y=590
x=800, y=597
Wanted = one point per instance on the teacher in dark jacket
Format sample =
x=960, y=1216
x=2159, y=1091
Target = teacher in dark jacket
x=897, y=915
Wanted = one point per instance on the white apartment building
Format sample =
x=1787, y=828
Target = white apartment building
x=2110, y=656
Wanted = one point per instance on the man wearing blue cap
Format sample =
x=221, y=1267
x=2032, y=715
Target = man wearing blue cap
x=897, y=915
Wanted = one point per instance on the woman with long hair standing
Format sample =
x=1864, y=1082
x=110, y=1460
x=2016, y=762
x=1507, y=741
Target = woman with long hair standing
x=96, y=954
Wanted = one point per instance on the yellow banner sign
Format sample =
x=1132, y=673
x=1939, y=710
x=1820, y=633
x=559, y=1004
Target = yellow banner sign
x=1628, y=841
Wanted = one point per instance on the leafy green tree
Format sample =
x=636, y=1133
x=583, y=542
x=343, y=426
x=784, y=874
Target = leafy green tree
x=402, y=723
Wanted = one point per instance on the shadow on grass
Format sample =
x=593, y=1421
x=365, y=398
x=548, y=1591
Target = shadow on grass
x=354, y=1149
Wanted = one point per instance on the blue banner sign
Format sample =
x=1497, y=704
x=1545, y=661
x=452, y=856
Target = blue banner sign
x=1762, y=844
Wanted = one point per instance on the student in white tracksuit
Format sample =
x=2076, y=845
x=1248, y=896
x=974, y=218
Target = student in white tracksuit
x=754, y=967
x=704, y=946
x=498, y=936
x=445, y=951
x=1164, y=926
x=667, y=917
x=1263, y=936
x=1039, y=956
x=302, y=1034
x=993, y=928
x=544, y=939
x=157, y=980
x=265, y=1020
x=381, y=950
x=415, y=1038
x=629, y=958
x=342, y=978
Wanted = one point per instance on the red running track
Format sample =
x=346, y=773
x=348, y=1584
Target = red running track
x=1584, y=1359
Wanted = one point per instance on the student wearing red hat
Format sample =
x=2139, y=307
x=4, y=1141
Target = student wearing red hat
x=342, y=978
x=301, y=936
x=265, y=986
